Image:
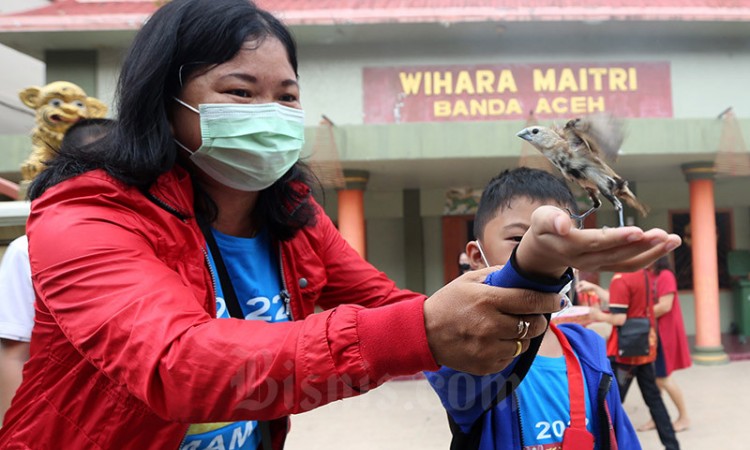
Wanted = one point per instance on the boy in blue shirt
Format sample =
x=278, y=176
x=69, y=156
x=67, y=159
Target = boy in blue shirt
x=568, y=398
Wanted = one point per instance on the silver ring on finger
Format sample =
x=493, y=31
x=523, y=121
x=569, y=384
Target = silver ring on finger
x=523, y=328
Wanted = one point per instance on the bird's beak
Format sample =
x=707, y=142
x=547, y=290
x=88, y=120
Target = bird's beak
x=524, y=134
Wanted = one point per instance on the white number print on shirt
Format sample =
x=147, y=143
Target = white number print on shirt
x=221, y=307
x=546, y=429
x=556, y=428
x=265, y=308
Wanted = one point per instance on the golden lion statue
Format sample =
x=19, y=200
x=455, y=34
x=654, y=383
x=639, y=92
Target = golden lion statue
x=58, y=105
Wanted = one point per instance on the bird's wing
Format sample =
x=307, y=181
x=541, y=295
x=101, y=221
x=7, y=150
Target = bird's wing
x=584, y=148
x=562, y=143
x=602, y=134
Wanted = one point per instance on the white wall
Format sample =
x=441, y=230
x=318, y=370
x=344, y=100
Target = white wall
x=108, y=65
x=26, y=71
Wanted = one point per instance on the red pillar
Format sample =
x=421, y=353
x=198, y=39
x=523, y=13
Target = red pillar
x=708, y=348
x=351, y=216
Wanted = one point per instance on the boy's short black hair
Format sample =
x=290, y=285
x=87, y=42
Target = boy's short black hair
x=80, y=139
x=534, y=184
x=84, y=132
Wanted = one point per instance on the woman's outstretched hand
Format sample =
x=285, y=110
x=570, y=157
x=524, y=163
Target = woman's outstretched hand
x=474, y=327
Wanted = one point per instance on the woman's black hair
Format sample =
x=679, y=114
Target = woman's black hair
x=663, y=263
x=182, y=37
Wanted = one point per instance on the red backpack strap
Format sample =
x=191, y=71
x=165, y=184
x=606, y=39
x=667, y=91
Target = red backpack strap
x=612, y=436
x=576, y=436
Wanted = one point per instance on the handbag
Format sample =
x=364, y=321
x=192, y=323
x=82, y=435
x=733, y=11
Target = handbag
x=633, y=335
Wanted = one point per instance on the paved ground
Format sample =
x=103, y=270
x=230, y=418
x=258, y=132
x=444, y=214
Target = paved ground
x=407, y=415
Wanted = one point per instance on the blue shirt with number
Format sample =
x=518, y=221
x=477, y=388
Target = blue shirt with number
x=253, y=269
x=545, y=403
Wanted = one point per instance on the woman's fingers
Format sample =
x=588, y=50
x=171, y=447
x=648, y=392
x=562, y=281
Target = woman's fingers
x=474, y=327
x=511, y=326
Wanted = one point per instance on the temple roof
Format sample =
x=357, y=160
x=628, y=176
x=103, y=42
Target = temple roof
x=88, y=15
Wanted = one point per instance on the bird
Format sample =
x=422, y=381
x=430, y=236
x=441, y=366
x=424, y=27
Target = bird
x=580, y=150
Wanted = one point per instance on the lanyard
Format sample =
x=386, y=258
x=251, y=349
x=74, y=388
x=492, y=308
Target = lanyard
x=230, y=297
x=233, y=305
x=576, y=436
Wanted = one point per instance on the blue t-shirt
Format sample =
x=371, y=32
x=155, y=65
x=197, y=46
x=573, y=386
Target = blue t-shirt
x=253, y=268
x=544, y=403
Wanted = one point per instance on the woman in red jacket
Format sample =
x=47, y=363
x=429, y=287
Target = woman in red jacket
x=178, y=262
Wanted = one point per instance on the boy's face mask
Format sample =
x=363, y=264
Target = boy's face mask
x=481, y=252
x=247, y=147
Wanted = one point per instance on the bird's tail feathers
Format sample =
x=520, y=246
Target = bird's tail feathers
x=626, y=194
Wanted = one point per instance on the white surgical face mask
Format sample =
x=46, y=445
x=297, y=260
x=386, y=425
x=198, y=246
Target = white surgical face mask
x=481, y=252
x=247, y=147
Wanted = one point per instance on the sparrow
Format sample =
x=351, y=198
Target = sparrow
x=579, y=150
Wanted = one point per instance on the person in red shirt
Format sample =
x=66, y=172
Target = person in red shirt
x=633, y=295
x=673, y=352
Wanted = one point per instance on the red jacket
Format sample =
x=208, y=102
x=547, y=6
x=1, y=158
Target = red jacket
x=126, y=352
